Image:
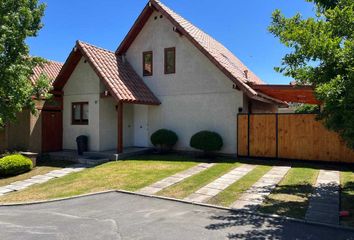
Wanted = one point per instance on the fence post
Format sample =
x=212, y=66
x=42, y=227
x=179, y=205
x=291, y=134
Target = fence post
x=276, y=136
x=248, y=133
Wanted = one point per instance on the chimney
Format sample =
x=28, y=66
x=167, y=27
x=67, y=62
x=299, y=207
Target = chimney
x=246, y=73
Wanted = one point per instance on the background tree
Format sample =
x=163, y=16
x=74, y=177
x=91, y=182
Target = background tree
x=19, y=19
x=323, y=56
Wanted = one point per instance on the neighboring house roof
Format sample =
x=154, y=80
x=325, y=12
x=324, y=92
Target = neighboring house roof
x=118, y=76
x=224, y=59
x=50, y=68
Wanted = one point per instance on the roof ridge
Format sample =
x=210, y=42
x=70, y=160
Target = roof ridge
x=53, y=61
x=101, y=48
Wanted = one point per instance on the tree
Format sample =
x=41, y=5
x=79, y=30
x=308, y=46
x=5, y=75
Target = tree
x=19, y=20
x=323, y=56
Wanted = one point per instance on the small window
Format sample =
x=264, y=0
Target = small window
x=170, y=60
x=147, y=63
x=80, y=113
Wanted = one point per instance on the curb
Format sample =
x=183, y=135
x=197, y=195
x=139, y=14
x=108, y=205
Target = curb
x=274, y=216
x=54, y=200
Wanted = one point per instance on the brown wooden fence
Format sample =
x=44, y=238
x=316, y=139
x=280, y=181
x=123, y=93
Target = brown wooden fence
x=289, y=136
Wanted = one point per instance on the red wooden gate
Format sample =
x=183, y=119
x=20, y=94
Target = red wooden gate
x=52, y=131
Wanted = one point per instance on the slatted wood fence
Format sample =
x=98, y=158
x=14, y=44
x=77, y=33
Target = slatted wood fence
x=289, y=136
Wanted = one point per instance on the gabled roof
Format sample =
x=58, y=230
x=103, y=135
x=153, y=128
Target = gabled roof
x=123, y=83
x=224, y=59
x=50, y=68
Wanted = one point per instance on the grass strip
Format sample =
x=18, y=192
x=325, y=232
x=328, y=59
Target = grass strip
x=234, y=191
x=193, y=183
x=291, y=197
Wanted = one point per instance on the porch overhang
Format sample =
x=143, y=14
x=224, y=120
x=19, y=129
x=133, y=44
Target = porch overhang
x=288, y=93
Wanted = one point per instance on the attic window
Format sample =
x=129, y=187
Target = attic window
x=170, y=60
x=147, y=63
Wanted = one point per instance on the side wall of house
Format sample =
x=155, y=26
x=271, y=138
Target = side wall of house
x=3, y=139
x=197, y=97
x=82, y=86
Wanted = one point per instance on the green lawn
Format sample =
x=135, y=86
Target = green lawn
x=127, y=175
x=291, y=197
x=42, y=167
x=234, y=191
x=192, y=184
x=347, y=196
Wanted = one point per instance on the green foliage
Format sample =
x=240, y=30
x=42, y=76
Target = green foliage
x=207, y=141
x=14, y=164
x=19, y=19
x=323, y=56
x=307, y=108
x=42, y=88
x=164, y=139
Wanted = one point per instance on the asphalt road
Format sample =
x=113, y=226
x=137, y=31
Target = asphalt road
x=125, y=216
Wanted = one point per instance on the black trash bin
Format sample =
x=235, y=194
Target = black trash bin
x=81, y=144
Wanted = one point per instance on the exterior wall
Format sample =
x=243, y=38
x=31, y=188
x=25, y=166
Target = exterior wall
x=35, y=132
x=198, y=97
x=19, y=132
x=108, y=124
x=82, y=86
x=3, y=139
x=261, y=107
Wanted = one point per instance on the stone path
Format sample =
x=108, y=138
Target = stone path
x=220, y=184
x=255, y=195
x=169, y=181
x=20, y=185
x=324, y=202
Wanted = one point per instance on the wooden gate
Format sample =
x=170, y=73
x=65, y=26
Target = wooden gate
x=52, y=131
x=289, y=136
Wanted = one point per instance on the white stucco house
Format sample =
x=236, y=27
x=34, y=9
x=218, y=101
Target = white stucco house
x=167, y=73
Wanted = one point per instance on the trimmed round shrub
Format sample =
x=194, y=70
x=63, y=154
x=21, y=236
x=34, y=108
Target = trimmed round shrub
x=207, y=141
x=164, y=139
x=14, y=164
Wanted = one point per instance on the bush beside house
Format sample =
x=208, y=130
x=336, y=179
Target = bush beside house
x=207, y=141
x=14, y=164
x=164, y=140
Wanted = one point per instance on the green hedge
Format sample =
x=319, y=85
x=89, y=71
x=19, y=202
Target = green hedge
x=14, y=164
x=207, y=141
x=164, y=139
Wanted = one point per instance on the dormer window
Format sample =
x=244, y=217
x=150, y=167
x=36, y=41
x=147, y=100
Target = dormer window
x=147, y=63
x=170, y=60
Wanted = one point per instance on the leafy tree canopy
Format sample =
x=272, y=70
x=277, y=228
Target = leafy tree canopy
x=323, y=56
x=19, y=19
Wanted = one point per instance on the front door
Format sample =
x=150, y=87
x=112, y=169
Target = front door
x=141, y=126
x=52, y=131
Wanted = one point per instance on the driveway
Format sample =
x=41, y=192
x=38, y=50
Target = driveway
x=124, y=216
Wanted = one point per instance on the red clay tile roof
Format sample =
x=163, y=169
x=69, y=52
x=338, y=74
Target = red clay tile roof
x=214, y=50
x=50, y=68
x=123, y=83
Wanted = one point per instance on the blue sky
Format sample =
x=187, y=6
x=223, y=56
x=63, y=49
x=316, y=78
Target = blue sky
x=240, y=25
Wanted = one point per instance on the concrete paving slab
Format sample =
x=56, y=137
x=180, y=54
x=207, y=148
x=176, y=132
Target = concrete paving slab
x=174, y=179
x=324, y=203
x=5, y=190
x=220, y=184
x=255, y=195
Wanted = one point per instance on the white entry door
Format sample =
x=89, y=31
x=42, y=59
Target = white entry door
x=141, y=138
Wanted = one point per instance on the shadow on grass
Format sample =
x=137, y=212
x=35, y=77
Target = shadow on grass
x=347, y=203
x=290, y=200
